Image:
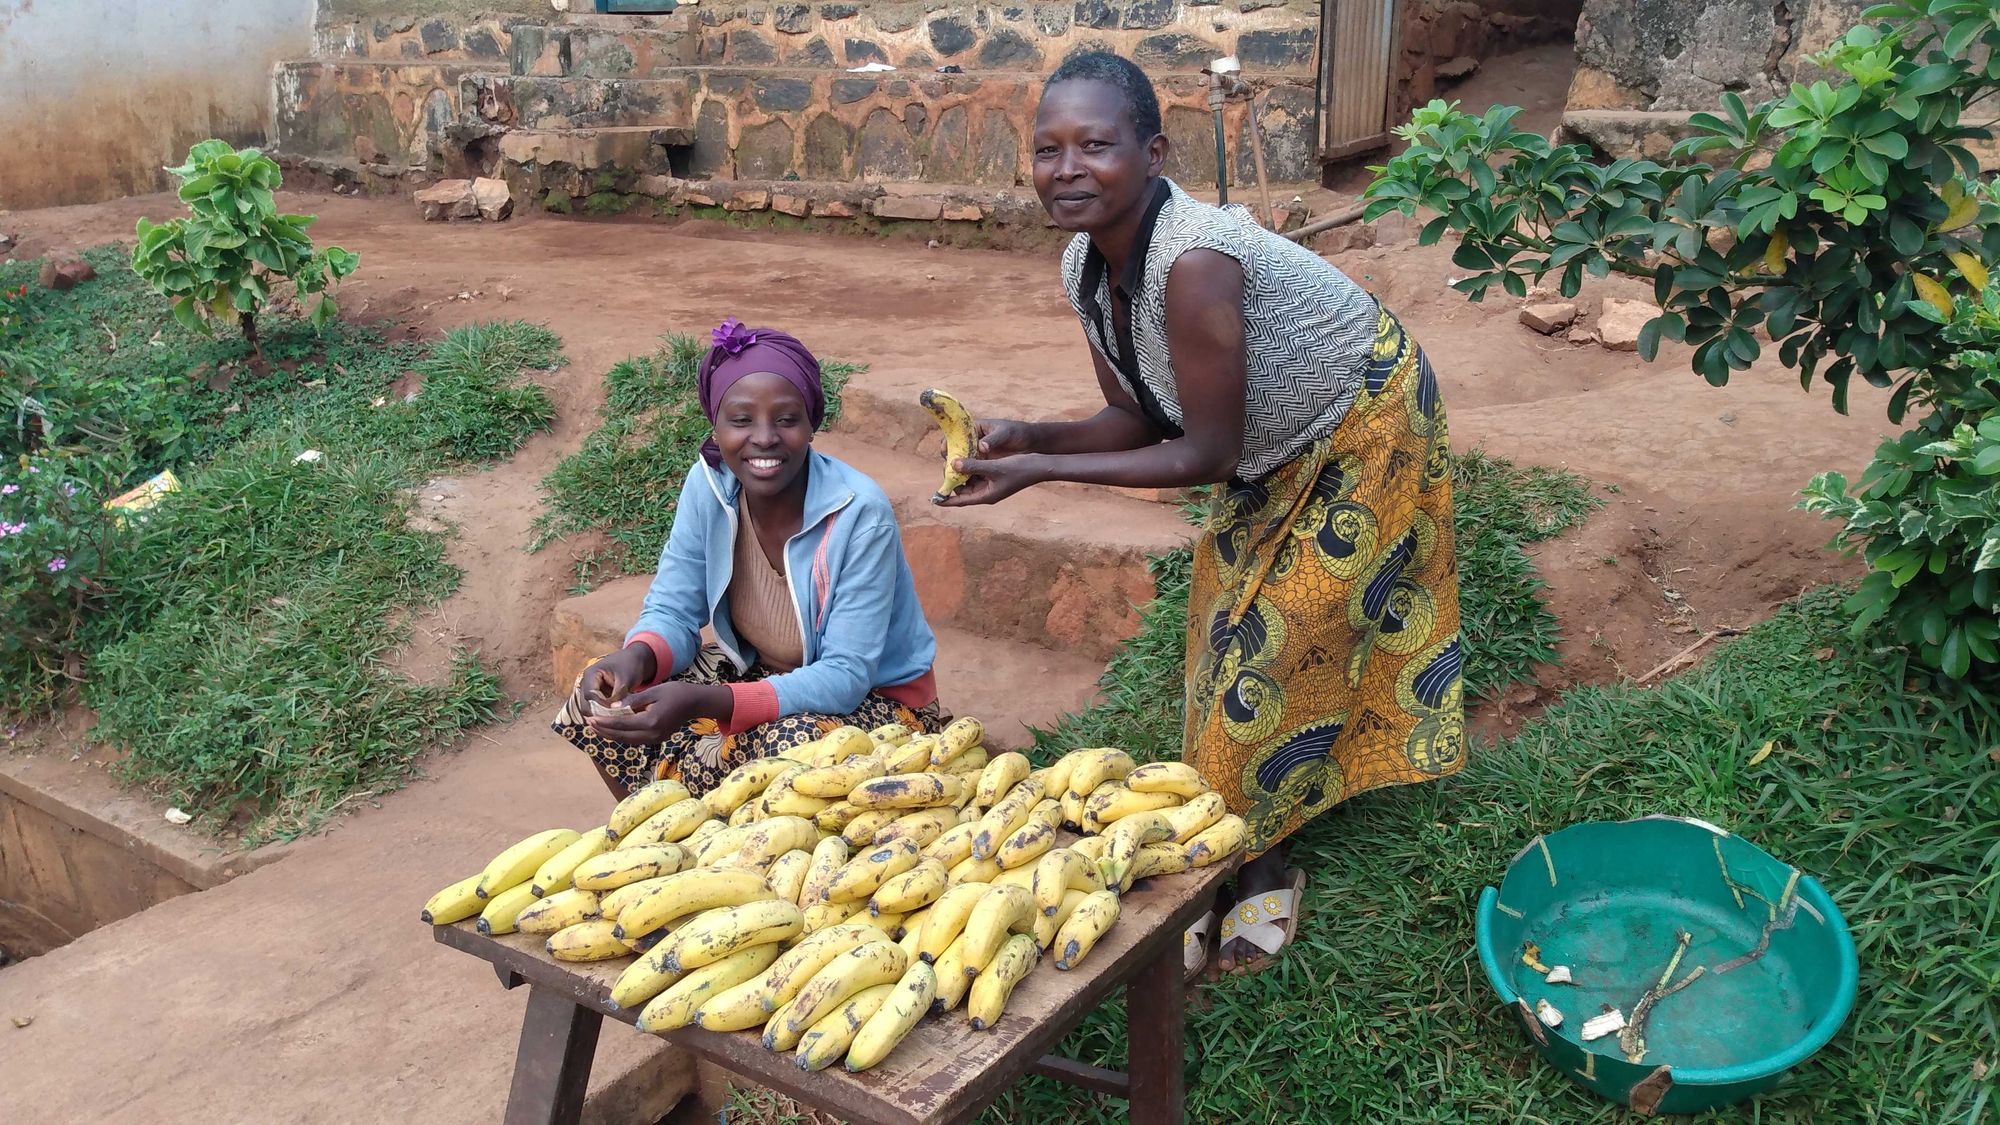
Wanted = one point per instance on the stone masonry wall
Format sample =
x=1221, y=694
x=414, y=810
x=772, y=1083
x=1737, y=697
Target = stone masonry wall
x=1681, y=55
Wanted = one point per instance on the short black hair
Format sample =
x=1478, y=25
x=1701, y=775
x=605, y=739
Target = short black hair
x=1121, y=73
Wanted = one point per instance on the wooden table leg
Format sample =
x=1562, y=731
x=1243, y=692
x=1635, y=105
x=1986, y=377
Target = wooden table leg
x=1155, y=1034
x=552, y=1066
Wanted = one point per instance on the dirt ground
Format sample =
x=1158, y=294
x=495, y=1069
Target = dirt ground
x=1699, y=531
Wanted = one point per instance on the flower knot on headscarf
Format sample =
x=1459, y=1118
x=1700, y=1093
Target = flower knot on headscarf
x=736, y=351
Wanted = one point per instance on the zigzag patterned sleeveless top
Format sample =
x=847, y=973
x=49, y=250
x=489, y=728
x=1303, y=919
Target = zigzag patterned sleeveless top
x=1308, y=330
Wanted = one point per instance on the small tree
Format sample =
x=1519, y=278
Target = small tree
x=219, y=261
x=1845, y=222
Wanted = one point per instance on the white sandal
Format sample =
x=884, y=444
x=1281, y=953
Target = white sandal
x=1268, y=923
x=1194, y=945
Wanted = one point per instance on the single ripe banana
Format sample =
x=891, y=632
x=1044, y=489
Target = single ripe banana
x=676, y=1006
x=913, y=933
x=1031, y=840
x=554, y=875
x=864, y=966
x=996, y=981
x=1090, y=847
x=738, y=1007
x=829, y=1039
x=620, y=866
x=1178, y=778
x=642, y=804
x=946, y=918
x=961, y=437
x=1114, y=802
x=860, y=832
x=690, y=892
x=955, y=846
x=788, y=874
x=907, y=791
x=723, y=843
x=1022, y=877
x=1072, y=810
x=912, y=890
x=1060, y=871
x=1000, y=911
x=1197, y=814
x=1000, y=775
x=1218, y=841
x=612, y=903
x=843, y=743
x=1056, y=775
x=913, y=756
x=829, y=856
x=777, y=1033
x=970, y=762
x=953, y=982
x=836, y=817
x=702, y=833
x=670, y=825
x=821, y=915
x=805, y=753
x=558, y=911
x=922, y=827
x=1048, y=925
x=799, y=964
x=503, y=911
x=1123, y=842
x=745, y=782
x=1090, y=921
x=719, y=933
x=455, y=903
x=587, y=941
x=957, y=740
x=518, y=864
x=773, y=838
x=893, y=734
x=970, y=870
x=1157, y=859
x=1098, y=766
x=641, y=981
x=906, y=1004
x=891, y=925
x=783, y=800
x=1005, y=818
x=865, y=873
x=836, y=782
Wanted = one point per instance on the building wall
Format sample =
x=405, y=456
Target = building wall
x=96, y=98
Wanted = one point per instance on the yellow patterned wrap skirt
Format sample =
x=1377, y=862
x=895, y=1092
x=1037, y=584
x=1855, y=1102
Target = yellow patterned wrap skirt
x=1323, y=653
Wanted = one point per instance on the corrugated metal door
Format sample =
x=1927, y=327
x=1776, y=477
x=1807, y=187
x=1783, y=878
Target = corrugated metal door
x=1358, y=44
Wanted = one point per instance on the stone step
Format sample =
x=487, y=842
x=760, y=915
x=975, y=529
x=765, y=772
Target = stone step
x=1058, y=568
x=638, y=147
x=371, y=111
x=1009, y=685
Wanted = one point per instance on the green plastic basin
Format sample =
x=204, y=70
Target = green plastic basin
x=1609, y=900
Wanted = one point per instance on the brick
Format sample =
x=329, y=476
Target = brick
x=913, y=207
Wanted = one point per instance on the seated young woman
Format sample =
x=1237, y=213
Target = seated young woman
x=794, y=561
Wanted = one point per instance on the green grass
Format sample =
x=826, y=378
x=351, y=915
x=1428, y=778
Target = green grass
x=625, y=481
x=242, y=660
x=1883, y=782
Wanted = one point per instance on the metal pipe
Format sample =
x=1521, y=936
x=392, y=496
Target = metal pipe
x=1257, y=153
x=1215, y=100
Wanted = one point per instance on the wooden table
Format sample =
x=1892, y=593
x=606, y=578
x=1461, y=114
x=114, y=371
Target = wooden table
x=944, y=1073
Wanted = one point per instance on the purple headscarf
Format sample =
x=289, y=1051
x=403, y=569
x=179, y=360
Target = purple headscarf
x=738, y=351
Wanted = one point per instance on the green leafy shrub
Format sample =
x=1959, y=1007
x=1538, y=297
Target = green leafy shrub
x=219, y=260
x=1926, y=513
x=1841, y=222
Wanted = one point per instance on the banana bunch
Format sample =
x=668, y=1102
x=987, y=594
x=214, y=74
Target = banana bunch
x=829, y=898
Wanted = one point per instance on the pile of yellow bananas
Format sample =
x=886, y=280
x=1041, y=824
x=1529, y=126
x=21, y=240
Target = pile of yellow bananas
x=835, y=895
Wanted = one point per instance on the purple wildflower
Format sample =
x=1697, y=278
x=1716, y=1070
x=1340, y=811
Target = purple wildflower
x=58, y=563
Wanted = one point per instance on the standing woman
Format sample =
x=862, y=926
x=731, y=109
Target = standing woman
x=1323, y=631
x=794, y=561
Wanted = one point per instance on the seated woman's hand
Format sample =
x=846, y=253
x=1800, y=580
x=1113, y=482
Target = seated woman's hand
x=664, y=709
x=611, y=679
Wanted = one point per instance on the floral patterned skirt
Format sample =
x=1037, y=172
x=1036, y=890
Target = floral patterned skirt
x=1323, y=655
x=699, y=755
